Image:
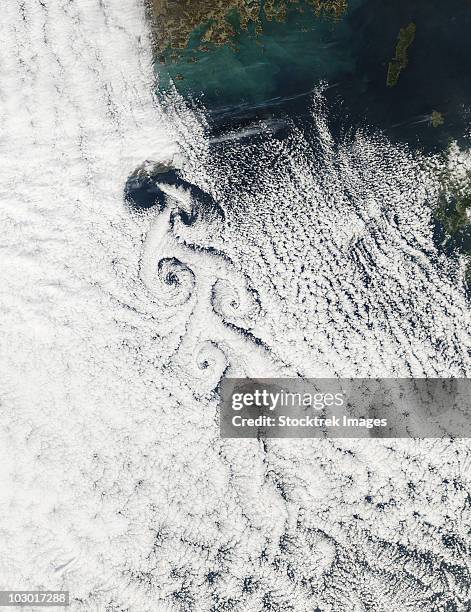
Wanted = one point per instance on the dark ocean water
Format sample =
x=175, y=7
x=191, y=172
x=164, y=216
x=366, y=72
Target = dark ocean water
x=263, y=85
x=271, y=75
x=437, y=76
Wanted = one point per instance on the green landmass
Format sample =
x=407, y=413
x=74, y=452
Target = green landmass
x=454, y=217
x=467, y=277
x=399, y=62
x=174, y=21
x=437, y=119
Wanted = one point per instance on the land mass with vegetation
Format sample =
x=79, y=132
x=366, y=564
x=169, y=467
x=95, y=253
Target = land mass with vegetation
x=174, y=21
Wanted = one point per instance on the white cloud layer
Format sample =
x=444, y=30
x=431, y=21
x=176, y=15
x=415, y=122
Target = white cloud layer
x=114, y=482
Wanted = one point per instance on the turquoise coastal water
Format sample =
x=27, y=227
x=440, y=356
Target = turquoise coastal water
x=287, y=59
x=267, y=73
x=271, y=76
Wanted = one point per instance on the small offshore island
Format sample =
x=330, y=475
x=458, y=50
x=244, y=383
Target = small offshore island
x=245, y=52
x=401, y=68
x=175, y=21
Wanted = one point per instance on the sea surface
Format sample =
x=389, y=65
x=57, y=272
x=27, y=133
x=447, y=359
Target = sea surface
x=118, y=325
x=273, y=74
x=266, y=87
